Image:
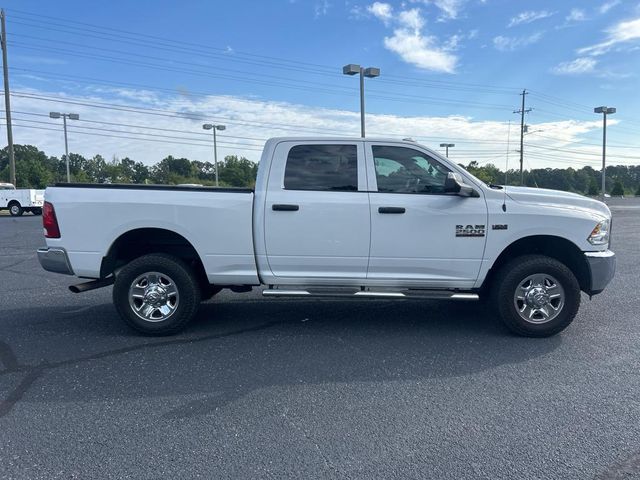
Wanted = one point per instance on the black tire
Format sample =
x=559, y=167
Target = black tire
x=36, y=211
x=15, y=209
x=179, y=274
x=509, y=280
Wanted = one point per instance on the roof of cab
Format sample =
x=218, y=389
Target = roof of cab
x=341, y=139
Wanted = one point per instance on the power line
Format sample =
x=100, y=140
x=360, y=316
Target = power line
x=279, y=62
x=318, y=88
x=75, y=127
x=130, y=138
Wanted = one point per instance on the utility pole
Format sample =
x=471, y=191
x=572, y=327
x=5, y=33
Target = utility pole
x=522, y=111
x=7, y=100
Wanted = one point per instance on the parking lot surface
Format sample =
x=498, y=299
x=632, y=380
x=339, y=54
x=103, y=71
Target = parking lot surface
x=263, y=388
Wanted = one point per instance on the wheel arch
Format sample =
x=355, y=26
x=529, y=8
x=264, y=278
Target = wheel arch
x=141, y=241
x=559, y=248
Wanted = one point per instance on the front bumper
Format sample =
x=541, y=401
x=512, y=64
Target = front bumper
x=602, y=267
x=55, y=260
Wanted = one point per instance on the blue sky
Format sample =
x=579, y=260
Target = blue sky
x=451, y=70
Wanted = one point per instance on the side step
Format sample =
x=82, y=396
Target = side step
x=350, y=292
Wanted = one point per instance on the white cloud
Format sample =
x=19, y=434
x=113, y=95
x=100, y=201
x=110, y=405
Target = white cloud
x=420, y=51
x=450, y=8
x=381, y=10
x=576, y=15
x=246, y=118
x=411, y=19
x=606, y=6
x=622, y=32
x=509, y=44
x=411, y=44
x=577, y=66
x=529, y=16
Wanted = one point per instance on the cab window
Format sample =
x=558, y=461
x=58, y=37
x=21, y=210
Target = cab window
x=405, y=170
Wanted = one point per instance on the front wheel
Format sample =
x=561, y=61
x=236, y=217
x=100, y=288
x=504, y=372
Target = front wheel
x=156, y=294
x=536, y=296
x=16, y=210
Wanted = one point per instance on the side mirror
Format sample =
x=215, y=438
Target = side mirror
x=455, y=184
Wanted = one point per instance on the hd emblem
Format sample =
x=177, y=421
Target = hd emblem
x=470, y=230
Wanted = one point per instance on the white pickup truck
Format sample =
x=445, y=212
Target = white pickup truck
x=374, y=218
x=18, y=201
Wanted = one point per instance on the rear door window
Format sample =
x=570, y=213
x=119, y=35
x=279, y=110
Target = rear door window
x=322, y=167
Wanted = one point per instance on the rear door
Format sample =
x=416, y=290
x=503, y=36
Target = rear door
x=317, y=223
x=420, y=234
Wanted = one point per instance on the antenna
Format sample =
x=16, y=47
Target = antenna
x=506, y=169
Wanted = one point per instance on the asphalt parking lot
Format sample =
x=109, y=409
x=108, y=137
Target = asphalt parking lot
x=263, y=388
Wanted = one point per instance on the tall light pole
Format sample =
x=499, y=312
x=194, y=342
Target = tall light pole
x=70, y=116
x=447, y=146
x=369, y=72
x=604, y=111
x=209, y=126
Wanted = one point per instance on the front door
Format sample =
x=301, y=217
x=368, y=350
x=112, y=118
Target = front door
x=317, y=222
x=420, y=234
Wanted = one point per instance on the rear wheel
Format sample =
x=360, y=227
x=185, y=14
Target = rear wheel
x=15, y=209
x=156, y=294
x=536, y=296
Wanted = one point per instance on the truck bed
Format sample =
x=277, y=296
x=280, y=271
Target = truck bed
x=217, y=222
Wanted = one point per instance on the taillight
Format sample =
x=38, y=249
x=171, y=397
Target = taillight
x=49, y=221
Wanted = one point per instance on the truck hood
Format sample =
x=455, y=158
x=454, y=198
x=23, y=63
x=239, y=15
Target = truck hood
x=558, y=199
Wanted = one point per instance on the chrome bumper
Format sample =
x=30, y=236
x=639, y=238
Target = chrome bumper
x=55, y=260
x=602, y=266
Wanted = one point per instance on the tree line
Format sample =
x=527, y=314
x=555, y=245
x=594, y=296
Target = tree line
x=620, y=179
x=36, y=169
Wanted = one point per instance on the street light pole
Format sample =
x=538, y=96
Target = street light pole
x=604, y=111
x=66, y=147
x=210, y=126
x=70, y=116
x=369, y=72
x=447, y=146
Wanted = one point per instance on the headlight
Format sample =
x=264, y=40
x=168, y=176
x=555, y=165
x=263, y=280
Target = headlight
x=600, y=234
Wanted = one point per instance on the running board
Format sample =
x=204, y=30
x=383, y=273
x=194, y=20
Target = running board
x=413, y=293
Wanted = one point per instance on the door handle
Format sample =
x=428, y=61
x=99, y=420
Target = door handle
x=284, y=207
x=391, y=210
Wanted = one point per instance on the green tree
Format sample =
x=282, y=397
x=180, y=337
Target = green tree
x=172, y=170
x=638, y=191
x=33, y=167
x=618, y=189
x=593, y=187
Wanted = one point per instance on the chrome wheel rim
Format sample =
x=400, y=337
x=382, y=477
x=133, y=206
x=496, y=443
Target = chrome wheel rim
x=14, y=209
x=153, y=296
x=539, y=298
